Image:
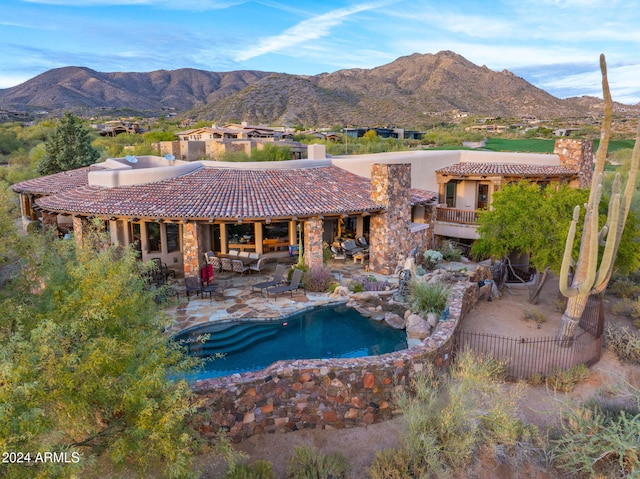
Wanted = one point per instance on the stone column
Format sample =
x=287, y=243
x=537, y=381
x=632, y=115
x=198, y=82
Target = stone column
x=390, y=235
x=313, y=242
x=576, y=154
x=79, y=230
x=192, y=257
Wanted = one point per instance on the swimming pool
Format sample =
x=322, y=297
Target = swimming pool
x=320, y=333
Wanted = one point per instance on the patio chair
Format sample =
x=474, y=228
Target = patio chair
x=192, y=284
x=350, y=248
x=258, y=266
x=160, y=272
x=226, y=264
x=254, y=255
x=238, y=266
x=362, y=241
x=234, y=252
x=337, y=254
x=214, y=261
x=243, y=254
x=296, y=277
x=275, y=280
x=208, y=255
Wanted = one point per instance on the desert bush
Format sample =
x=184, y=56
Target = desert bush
x=598, y=443
x=309, y=463
x=257, y=470
x=450, y=253
x=394, y=464
x=624, y=288
x=362, y=283
x=317, y=279
x=449, y=417
x=626, y=307
x=428, y=298
x=536, y=379
x=566, y=380
x=624, y=342
x=534, y=315
x=432, y=259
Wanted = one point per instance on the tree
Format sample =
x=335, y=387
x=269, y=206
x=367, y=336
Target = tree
x=599, y=245
x=530, y=220
x=68, y=147
x=85, y=368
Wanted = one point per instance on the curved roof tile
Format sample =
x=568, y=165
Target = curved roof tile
x=228, y=193
x=506, y=169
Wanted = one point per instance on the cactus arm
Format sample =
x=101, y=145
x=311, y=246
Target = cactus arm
x=567, y=259
x=608, y=256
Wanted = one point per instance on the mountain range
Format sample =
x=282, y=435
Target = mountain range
x=414, y=91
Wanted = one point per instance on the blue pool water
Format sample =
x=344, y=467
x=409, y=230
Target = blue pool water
x=321, y=333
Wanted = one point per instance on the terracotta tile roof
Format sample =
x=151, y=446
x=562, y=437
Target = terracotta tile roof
x=506, y=169
x=229, y=193
x=56, y=183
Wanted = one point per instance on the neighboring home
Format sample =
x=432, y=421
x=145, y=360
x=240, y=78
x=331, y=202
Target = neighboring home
x=399, y=133
x=178, y=210
x=211, y=143
x=116, y=127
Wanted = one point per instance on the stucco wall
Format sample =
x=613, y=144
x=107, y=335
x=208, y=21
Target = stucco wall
x=315, y=394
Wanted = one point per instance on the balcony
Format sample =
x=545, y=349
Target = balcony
x=454, y=223
x=452, y=215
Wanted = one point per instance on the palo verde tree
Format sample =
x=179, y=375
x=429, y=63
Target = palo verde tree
x=599, y=245
x=85, y=368
x=68, y=147
x=531, y=220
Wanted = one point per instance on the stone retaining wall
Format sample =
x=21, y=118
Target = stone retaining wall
x=329, y=393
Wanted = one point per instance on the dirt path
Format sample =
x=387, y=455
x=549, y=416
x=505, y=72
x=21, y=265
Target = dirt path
x=503, y=316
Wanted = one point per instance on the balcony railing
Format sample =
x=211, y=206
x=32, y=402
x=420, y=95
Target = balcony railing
x=452, y=215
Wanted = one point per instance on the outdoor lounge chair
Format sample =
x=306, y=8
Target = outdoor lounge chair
x=296, y=277
x=350, y=248
x=337, y=254
x=281, y=269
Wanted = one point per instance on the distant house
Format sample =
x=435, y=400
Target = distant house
x=210, y=143
x=115, y=128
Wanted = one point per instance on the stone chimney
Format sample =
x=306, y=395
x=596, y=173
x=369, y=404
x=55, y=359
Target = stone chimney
x=390, y=235
x=576, y=154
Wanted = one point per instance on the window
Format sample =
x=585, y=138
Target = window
x=450, y=193
x=173, y=237
x=154, y=242
x=483, y=196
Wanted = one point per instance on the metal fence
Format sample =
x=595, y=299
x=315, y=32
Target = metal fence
x=526, y=357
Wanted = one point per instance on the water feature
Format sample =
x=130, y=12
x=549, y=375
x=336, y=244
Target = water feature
x=320, y=333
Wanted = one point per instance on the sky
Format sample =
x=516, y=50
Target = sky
x=553, y=44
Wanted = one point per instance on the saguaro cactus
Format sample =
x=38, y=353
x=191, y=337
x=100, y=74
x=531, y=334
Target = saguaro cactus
x=590, y=276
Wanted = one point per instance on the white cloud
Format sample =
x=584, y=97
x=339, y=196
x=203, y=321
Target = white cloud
x=307, y=30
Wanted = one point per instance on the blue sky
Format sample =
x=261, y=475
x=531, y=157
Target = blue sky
x=554, y=44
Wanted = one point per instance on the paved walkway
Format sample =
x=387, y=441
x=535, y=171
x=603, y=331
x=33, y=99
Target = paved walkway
x=239, y=302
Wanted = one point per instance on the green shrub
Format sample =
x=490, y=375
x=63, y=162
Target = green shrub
x=450, y=253
x=34, y=227
x=566, y=380
x=598, y=443
x=624, y=342
x=257, y=470
x=427, y=298
x=432, y=259
x=309, y=463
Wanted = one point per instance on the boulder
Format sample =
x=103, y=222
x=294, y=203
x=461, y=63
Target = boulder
x=406, y=314
x=418, y=329
x=340, y=292
x=432, y=319
x=394, y=320
x=412, y=319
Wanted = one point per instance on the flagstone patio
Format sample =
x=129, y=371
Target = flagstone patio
x=239, y=302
